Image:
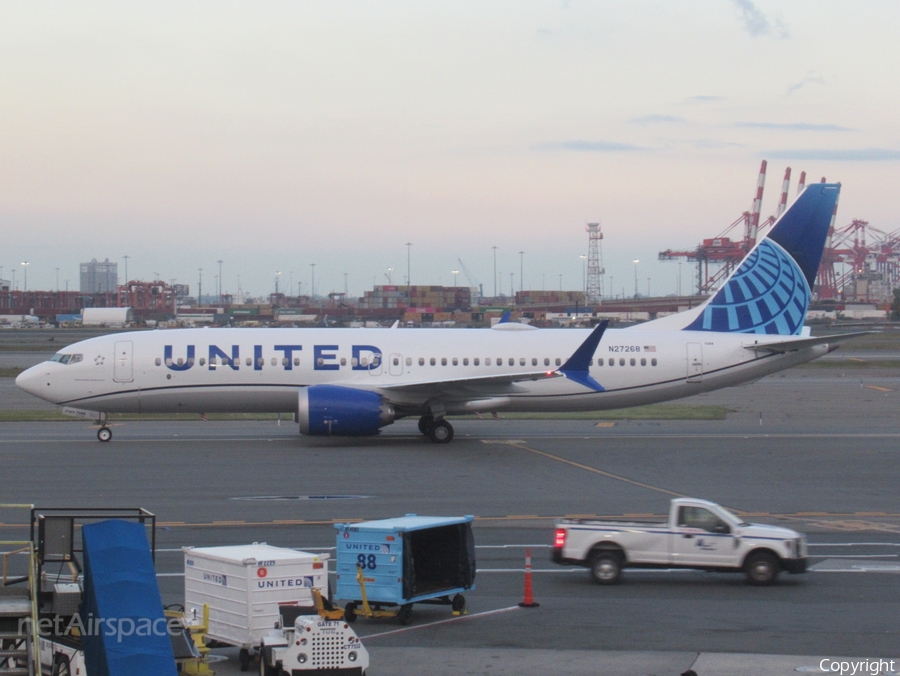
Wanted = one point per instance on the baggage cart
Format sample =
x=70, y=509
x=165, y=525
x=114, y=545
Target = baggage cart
x=244, y=585
x=384, y=567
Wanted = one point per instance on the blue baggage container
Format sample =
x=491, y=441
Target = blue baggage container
x=410, y=559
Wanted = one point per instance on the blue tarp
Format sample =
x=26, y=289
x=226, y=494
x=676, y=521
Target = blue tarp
x=120, y=589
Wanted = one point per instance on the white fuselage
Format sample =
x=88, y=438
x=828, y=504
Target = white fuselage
x=251, y=370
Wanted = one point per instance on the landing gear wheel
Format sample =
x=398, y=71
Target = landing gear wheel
x=761, y=569
x=350, y=613
x=441, y=432
x=104, y=434
x=405, y=613
x=425, y=422
x=459, y=604
x=244, y=659
x=606, y=567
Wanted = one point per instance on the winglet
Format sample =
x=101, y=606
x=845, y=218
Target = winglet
x=576, y=367
x=505, y=318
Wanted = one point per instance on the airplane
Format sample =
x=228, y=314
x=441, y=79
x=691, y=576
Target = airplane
x=349, y=382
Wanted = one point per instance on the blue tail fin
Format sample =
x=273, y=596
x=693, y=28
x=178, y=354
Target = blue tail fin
x=770, y=290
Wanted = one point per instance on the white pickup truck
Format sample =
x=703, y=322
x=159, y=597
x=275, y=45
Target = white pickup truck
x=699, y=534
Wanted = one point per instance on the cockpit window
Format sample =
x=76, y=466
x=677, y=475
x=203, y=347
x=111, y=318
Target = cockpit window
x=67, y=358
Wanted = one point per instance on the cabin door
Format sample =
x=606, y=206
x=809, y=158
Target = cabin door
x=694, y=362
x=123, y=369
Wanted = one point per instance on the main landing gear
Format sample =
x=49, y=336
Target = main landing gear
x=439, y=431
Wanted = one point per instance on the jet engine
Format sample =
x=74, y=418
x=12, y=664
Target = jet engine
x=331, y=410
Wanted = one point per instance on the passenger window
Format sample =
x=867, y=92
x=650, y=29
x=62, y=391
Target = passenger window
x=612, y=362
x=285, y=362
x=212, y=361
x=643, y=361
x=158, y=361
x=261, y=362
x=364, y=361
x=558, y=361
x=521, y=361
x=476, y=361
x=409, y=361
x=621, y=361
x=653, y=361
x=421, y=361
x=443, y=361
x=546, y=361
x=600, y=362
x=534, y=361
x=499, y=361
x=512, y=362
x=396, y=361
x=180, y=361
x=465, y=361
x=191, y=361
x=320, y=361
x=455, y=361
x=487, y=361
x=249, y=361
x=633, y=361
x=274, y=361
x=433, y=361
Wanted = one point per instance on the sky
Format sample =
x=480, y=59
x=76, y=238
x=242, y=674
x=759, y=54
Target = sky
x=275, y=136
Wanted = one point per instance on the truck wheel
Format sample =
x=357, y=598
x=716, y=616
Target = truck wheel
x=606, y=567
x=264, y=668
x=350, y=613
x=405, y=613
x=244, y=659
x=761, y=569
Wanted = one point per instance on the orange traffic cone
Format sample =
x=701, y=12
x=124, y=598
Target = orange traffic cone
x=528, y=601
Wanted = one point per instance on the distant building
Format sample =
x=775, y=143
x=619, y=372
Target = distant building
x=4, y=285
x=99, y=277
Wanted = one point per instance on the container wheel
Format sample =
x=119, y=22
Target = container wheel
x=459, y=604
x=350, y=613
x=405, y=613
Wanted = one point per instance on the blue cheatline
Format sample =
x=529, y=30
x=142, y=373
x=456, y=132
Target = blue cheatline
x=771, y=289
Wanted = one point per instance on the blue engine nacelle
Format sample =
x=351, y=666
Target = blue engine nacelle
x=331, y=410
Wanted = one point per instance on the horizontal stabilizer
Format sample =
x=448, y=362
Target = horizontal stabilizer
x=783, y=346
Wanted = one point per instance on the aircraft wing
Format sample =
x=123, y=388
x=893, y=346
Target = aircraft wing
x=575, y=369
x=783, y=346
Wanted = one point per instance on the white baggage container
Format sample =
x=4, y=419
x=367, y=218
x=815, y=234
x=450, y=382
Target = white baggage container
x=244, y=584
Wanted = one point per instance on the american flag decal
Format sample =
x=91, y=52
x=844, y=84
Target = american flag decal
x=649, y=348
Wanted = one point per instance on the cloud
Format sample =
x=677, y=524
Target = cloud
x=792, y=126
x=835, y=155
x=590, y=146
x=654, y=119
x=810, y=78
x=756, y=23
x=704, y=99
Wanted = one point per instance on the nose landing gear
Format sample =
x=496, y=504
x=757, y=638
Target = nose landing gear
x=104, y=433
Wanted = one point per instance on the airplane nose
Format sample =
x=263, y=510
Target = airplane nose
x=33, y=381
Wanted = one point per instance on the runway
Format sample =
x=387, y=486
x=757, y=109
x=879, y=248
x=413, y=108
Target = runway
x=814, y=449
